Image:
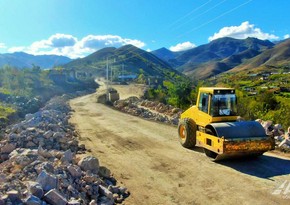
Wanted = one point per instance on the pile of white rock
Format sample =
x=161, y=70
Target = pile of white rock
x=39, y=163
x=149, y=110
x=282, y=138
x=284, y=141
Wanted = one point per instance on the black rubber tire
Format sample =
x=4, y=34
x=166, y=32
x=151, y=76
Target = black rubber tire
x=210, y=153
x=187, y=132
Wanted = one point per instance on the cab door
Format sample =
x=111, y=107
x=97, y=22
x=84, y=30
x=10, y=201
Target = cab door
x=204, y=108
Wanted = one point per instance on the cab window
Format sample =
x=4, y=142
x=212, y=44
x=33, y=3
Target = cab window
x=224, y=104
x=203, y=102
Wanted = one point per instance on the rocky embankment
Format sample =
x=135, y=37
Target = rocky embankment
x=40, y=163
x=168, y=114
x=149, y=110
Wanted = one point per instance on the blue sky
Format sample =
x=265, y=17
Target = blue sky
x=76, y=28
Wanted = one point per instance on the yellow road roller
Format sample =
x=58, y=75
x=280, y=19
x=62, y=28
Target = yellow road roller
x=213, y=125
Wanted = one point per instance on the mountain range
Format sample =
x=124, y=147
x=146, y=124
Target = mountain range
x=24, y=60
x=218, y=56
x=276, y=57
x=227, y=54
x=126, y=60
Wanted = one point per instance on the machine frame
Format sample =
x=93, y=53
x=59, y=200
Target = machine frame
x=221, y=136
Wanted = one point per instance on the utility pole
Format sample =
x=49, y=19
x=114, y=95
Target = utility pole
x=107, y=80
x=111, y=74
x=107, y=72
x=123, y=71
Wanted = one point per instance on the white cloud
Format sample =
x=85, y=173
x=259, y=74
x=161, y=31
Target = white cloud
x=62, y=40
x=39, y=45
x=97, y=42
x=68, y=45
x=16, y=49
x=243, y=31
x=2, y=45
x=286, y=36
x=182, y=46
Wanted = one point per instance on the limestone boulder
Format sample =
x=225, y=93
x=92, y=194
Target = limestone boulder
x=89, y=163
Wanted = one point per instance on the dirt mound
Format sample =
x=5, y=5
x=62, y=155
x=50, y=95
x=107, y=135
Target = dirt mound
x=147, y=158
x=39, y=163
x=149, y=110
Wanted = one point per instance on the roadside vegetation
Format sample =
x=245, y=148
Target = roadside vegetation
x=21, y=90
x=24, y=91
x=180, y=94
x=260, y=96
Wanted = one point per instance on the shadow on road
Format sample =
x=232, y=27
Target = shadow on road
x=263, y=166
x=197, y=149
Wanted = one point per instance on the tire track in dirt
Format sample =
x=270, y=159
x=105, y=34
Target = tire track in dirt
x=147, y=158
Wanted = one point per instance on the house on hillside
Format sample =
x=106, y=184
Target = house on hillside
x=285, y=89
x=264, y=78
x=83, y=75
x=249, y=89
x=71, y=75
x=127, y=77
x=253, y=75
x=154, y=80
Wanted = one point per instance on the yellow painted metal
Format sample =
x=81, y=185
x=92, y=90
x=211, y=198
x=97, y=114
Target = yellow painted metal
x=204, y=119
x=212, y=89
x=201, y=118
x=182, y=132
x=248, y=146
x=218, y=144
x=222, y=146
x=210, y=142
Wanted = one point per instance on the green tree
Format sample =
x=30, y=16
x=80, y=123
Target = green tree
x=179, y=94
x=141, y=78
x=268, y=101
x=156, y=94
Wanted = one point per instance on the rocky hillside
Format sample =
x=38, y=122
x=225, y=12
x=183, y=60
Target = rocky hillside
x=39, y=163
x=126, y=60
x=276, y=57
x=149, y=110
x=24, y=60
x=164, y=54
x=217, y=56
x=168, y=114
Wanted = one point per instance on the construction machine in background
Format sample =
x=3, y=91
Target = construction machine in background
x=212, y=124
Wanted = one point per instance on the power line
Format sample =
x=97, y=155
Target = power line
x=191, y=12
x=206, y=11
x=223, y=14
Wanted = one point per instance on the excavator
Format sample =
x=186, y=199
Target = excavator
x=213, y=124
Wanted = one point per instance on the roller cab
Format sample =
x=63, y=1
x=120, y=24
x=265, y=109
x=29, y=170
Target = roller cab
x=212, y=124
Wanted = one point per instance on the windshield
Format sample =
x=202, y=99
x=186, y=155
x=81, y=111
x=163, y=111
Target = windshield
x=224, y=104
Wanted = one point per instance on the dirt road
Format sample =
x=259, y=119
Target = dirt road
x=147, y=158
